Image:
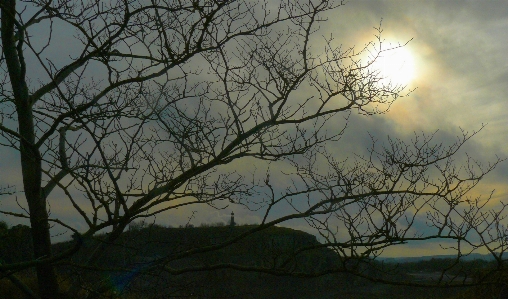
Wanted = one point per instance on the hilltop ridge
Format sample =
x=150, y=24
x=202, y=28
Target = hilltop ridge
x=131, y=266
x=273, y=247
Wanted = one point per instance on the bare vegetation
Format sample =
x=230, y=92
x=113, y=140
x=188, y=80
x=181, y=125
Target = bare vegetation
x=124, y=110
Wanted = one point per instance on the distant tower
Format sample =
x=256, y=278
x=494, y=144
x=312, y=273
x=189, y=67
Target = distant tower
x=232, y=223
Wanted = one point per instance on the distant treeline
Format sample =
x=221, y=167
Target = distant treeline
x=452, y=266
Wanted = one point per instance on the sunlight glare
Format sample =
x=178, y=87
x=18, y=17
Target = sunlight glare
x=396, y=66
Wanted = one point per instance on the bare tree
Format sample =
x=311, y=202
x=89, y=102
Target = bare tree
x=153, y=99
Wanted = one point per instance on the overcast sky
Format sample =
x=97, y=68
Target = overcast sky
x=461, y=73
x=462, y=69
x=458, y=51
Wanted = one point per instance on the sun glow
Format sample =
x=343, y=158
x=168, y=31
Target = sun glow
x=396, y=66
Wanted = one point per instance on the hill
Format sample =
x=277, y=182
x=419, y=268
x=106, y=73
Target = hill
x=128, y=267
x=138, y=248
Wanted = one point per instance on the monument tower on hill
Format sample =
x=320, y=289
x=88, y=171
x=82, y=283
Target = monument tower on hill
x=232, y=222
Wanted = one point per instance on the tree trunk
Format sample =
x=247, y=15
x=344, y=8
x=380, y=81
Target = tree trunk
x=30, y=155
x=31, y=170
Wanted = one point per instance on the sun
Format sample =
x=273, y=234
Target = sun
x=396, y=66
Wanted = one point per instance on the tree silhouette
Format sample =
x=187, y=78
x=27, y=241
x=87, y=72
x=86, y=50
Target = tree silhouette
x=129, y=109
